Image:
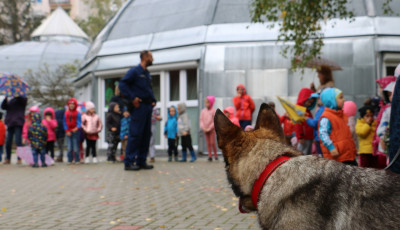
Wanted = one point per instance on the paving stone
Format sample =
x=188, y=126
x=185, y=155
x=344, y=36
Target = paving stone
x=104, y=196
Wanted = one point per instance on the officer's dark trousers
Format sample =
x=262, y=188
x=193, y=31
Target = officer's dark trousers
x=139, y=135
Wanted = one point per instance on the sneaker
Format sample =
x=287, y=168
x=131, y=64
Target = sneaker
x=87, y=160
x=95, y=160
x=35, y=166
x=19, y=162
x=7, y=162
x=176, y=158
x=216, y=158
x=169, y=159
x=152, y=160
x=44, y=165
x=209, y=159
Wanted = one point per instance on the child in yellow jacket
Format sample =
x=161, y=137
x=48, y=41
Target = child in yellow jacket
x=365, y=130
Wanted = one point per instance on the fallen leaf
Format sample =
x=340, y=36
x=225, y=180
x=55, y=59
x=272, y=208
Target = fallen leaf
x=162, y=226
x=235, y=198
x=218, y=229
x=148, y=219
x=153, y=205
x=102, y=197
x=62, y=186
x=3, y=209
x=112, y=222
x=253, y=217
x=1, y=214
x=224, y=209
x=181, y=189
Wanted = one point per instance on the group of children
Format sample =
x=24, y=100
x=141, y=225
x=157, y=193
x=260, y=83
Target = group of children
x=335, y=133
x=178, y=125
x=42, y=134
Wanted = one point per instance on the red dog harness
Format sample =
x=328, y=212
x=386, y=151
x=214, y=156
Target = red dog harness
x=259, y=184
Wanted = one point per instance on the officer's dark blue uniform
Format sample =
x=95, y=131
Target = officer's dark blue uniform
x=137, y=83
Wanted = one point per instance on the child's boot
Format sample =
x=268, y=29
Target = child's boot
x=183, y=156
x=169, y=159
x=176, y=158
x=193, y=155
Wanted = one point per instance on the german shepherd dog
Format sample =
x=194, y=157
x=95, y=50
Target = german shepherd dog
x=304, y=192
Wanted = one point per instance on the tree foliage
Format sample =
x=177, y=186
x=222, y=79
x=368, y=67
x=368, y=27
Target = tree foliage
x=52, y=87
x=300, y=22
x=103, y=11
x=16, y=21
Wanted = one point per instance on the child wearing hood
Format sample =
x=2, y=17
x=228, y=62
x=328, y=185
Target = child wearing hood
x=155, y=117
x=171, y=132
x=124, y=133
x=28, y=120
x=244, y=106
x=92, y=126
x=113, y=126
x=51, y=125
x=383, y=127
x=72, y=124
x=184, y=133
x=60, y=133
x=334, y=133
x=2, y=135
x=384, y=103
x=207, y=125
x=230, y=114
x=365, y=129
x=313, y=122
x=37, y=136
x=304, y=132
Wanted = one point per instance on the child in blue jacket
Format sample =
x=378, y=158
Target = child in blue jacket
x=313, y=122
x=171, y=132
x=124, y=133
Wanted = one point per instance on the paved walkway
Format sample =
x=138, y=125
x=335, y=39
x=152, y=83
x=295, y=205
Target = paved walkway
x=103, y=196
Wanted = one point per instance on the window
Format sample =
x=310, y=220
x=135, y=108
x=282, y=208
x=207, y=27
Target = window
x=110, y=89
x=174, y=85
x=191, y=84
x=156, y=86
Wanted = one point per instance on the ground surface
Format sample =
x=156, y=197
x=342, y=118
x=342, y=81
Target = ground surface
x=104, y=196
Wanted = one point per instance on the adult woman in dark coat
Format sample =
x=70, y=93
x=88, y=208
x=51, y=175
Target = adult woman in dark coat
x=14, y=120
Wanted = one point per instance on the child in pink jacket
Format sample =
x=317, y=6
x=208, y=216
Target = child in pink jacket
x=51, y=124
x=92, y=126
x=32, y=110
x=207, y=125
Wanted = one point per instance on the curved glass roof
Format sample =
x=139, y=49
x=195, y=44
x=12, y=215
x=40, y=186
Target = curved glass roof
x=18, y=58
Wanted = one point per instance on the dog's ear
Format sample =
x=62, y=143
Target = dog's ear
x=225, y=129
x=268, y=119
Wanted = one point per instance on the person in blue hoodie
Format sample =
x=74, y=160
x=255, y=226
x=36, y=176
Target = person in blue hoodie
x=313, y=122
x=171, y=132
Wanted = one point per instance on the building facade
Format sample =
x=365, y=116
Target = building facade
x=207, y=47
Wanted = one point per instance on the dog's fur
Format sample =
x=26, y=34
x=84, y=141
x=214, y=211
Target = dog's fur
x=306, y=192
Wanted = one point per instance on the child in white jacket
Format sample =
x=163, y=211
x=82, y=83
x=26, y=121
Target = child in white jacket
x=184, y=133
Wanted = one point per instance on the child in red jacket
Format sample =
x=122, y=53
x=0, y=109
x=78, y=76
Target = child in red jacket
x=304, y=133
x=244, y=106
x=2, y=135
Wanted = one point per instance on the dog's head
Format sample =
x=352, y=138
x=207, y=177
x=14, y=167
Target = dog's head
x=246, y=154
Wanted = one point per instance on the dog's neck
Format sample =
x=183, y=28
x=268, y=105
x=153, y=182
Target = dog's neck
x=249, y=168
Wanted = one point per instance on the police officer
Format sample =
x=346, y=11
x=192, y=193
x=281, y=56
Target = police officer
x=136, y=86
